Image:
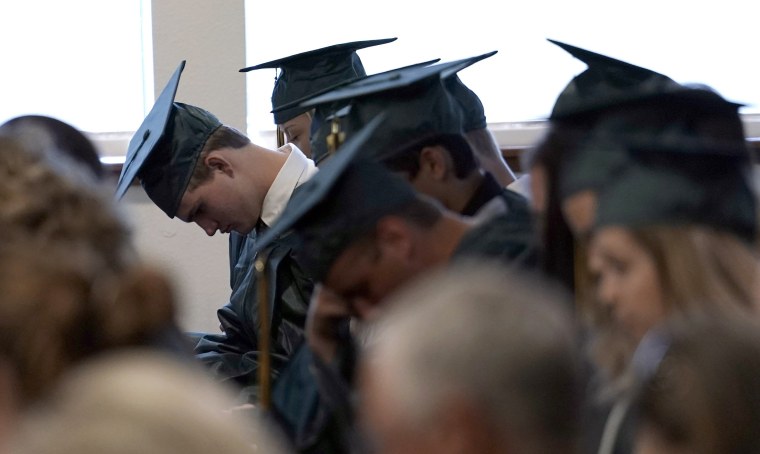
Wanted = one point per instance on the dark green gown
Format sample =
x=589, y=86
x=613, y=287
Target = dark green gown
x=316, y=399
x=507, y=237
x=234, y=354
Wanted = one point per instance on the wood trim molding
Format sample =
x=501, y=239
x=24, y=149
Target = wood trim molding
x=513, y=155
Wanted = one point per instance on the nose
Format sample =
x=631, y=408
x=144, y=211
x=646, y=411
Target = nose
x=606, y=291
x=208, y=226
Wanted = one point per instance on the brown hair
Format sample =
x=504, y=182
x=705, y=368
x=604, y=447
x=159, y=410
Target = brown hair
x=557, y=254
x=422, y=212
x=456, y=146
x=701, y=270
x=224, y=137
x=56, y=139
x=143, y=402
x=705, y=395
x=59, y=306
x=38, y=201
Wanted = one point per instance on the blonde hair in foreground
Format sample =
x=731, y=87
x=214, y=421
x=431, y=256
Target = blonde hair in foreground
x=503, y=340
x=137, y=403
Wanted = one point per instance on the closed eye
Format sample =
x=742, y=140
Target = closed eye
x=196, y=212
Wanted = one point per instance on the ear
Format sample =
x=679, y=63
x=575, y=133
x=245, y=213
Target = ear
x=395, y=238
x=433, y=162
x=217, y=161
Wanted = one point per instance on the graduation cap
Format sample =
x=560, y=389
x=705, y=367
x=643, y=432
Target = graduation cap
x=474, y=115
x=650, y=195
x=340, y=204
x=415, y=99
x=165, y=149
x=309, y=72
x=324, y=114
x=693, y=170
x=606, y=82
x=697, y=120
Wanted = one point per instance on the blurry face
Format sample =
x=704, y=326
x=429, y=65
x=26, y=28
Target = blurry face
x=297, y=132
x=221, y=204
x=364, y=274
x=627, y=281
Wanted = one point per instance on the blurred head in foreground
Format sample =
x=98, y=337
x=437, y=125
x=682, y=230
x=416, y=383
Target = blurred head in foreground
x=59, y=307
x=704, y=395
x=139, y=402
x=473, y=359
x=55, y=140
x=41, y=201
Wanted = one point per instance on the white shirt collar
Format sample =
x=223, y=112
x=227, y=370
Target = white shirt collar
x=493, y=208
x=296, y=171
x=521, y=186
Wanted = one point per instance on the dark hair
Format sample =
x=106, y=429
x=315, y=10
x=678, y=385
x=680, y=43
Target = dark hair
x=55, y=136
x=224, y=137
x=320, y=247
x=558, y=250
x=421, y=212
x=408, y=159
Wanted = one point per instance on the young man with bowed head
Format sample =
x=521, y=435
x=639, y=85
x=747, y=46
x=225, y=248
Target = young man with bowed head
x=199, y=170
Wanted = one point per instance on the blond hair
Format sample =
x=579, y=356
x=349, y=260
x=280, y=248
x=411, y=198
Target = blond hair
x=140, y=402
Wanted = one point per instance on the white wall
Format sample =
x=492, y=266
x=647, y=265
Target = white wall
x=210, y=35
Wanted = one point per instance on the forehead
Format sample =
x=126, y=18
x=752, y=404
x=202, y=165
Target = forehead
x=350, y=269
x=299, y=121
x=616, y=240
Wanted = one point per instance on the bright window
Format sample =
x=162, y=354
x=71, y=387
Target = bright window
x=710, y=43
x=81, y=61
